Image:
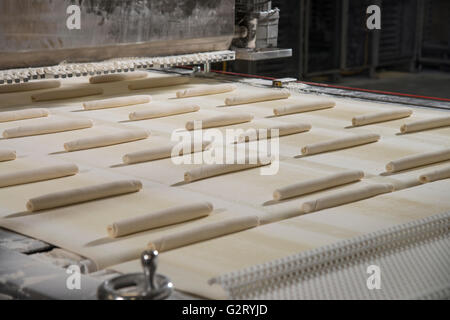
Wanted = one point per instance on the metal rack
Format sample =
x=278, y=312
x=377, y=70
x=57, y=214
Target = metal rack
x=330, y=37
x=435, y=32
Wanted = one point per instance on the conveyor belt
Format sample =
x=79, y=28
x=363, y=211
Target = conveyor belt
x=82, y=228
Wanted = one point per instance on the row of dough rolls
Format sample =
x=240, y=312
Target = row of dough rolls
x=346, y=196
x=106, y=140
x=39, y=174
x=212, y=170
x=205, y=90
x=304, y=106
x=247, y=98
x=418, y=160
x=164, y=152
x=7, y=155
x=340, y=143
x=426, y=124
x=8, y=116
x=160, y=111
x=67, y=93
x=323, y=183
x=158, y=82
x=117, y=102
x=204, y=232
x=46, y=128
x=219, y=121
x=30, y=86
x=80, y=195
x=105, y=78
x=283, y=130
x=161, y=218
x=381, y=117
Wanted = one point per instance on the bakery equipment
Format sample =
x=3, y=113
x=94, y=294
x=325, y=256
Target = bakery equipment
x=114, y=36
x=49, y=237
x=138, y=286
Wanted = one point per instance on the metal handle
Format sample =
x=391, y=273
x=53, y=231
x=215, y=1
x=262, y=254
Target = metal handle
x=138, y=286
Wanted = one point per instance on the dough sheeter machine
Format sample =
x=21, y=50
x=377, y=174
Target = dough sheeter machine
x=185, y=38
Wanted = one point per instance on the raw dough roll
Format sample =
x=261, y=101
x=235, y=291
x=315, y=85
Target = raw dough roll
x=426, y=124
x=118, y=77
x=106, y=140
x=283, y=130
x=318, y=184
x=79, y=195
x=30, y=86
x=206, y=90
x=346, y=196
x=46, y=128
x=435, y=175
x=418, y=160
x=340, y=143
x=304, y=107
x=159, y=219
x=212, y=170
x=116, y=102
x=381, y=117
x=258, y=97
x=23, y=114
x=158, y=82
x=221, y=121
x=35, y=175
x=204, y=232
x=7, y=155
x=163, y=111
x=163, y=152
x=64, y=93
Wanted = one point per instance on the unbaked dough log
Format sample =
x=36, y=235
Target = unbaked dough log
x=426, y=124
x=46, y=128
x=35, y=175
x=258, y=97
x=7, y=155
x=106, y=140
x=381, y=117
x=79, y=195
x=346, y=196
x=435, y=175
x=30, y=86
x=118, y=77
x=64, y=93
x=206, y=90
x=283, y=130
x=221, y=121
x=159, y=219
x=212, y=170
x=116, y=102
x=158, y=82
x=204, y=232
x=330, y=181
x=340, y=143
x=418, y=160
x=304, y=107
x=23, y=114
x=163, y=111
x=164, y=152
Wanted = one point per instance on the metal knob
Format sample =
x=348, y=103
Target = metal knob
x=138, y=286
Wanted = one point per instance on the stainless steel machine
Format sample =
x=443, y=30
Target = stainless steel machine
x=121, y=36
x=48, y=39
x=37, y=39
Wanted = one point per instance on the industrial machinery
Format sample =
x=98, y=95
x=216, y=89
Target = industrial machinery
x=185, y=37
x=36, y=42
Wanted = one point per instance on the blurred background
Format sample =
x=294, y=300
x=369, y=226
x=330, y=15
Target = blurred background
x=331, y=43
